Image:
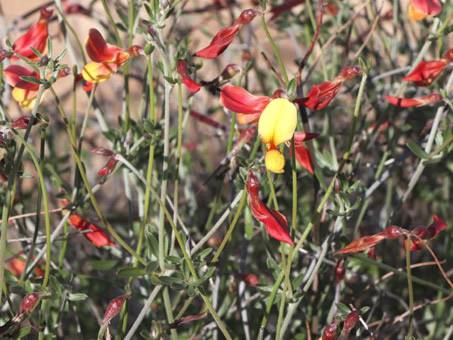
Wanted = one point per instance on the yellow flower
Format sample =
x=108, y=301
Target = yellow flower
x=277, y=125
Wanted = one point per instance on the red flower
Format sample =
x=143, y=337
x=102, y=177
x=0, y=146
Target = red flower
x=16, y=267
x=275, y=223
x=321, y=95
x=185, y=77
x=226, y=35
x=97, y=236
x=111, y=163
x=25, y=93
x=106, y=58
x=35, y=37
x=409, y=102
x=427, y=71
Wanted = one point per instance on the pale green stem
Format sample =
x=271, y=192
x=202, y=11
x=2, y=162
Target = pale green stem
x=87, y=185
x=409, y=286
x=181, y=245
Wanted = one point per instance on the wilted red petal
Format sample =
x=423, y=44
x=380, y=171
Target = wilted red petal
x=320, y=95
x=185, y=77
x=333, y=9
x=426, y=72
x=98, y=49
x=219, y=43
x=237, y=99
x=303, y=157
x=275, y=223
x=436, y=227
x=35, y=37
x=103, y=152
x=350, y=321
x=372, y=253
x=98, y=236
x=415, y=243
x=247, y=16
x=428, y=7
x=410, y=102
x=114, y=308
x=109, y=167
x=14, y=72
x=382, y=127
x=361, y=244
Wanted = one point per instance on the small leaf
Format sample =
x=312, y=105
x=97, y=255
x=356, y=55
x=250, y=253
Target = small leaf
x=77, y=297
x=130, y=272
x=103, y=265
x=343, y=309
x=417, y=150
x=33, y=80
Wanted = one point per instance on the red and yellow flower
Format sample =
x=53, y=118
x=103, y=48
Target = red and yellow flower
x=24, y=92
x=106, y=58
x=419, y=9
x=277, y=120
x=35, y=37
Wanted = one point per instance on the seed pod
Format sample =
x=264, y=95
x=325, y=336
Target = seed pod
x=29, y=302
x=330, y=332
x=350, y=321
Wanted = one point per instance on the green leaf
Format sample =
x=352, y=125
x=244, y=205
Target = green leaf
x=103, y=265
x=209, y=272
x=205, y=253
x=32, y=80
x=417, y=150
x=130, y=272
x=77, y=297
x=343, y=309
x=174, y=259
x=26, y=175
x=23, y=332
x=168, y=280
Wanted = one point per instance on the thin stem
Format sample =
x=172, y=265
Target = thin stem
x=274, y=47
x=87, y=185
x=409, y=286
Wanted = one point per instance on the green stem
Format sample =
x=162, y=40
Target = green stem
x=274, y=47
x=112, y=22
x=39, y=167
x=87, y=184
x=181, y=245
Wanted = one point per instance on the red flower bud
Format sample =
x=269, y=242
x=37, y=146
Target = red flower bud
x=114, y=308
x=350, y=321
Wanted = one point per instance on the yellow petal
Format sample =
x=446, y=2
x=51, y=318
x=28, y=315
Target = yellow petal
x=275, y=161
x=25, y=98
x=99, y=72
x=277, y=122
x=414, y=14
